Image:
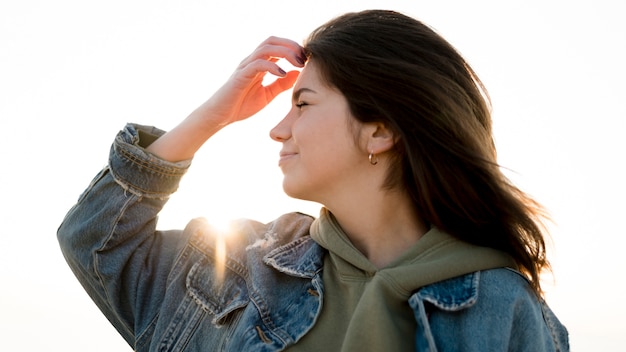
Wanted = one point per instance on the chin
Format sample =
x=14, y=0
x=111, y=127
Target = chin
x=294, y=191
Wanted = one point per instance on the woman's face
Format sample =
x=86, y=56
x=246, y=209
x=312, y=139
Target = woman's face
x=320, y=158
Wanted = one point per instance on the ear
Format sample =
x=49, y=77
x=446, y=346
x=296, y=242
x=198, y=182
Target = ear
x=379, y=137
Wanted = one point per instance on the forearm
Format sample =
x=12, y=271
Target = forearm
x=184, y=140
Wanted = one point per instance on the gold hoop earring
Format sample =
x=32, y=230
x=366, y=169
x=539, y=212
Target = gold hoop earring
x=373, y=159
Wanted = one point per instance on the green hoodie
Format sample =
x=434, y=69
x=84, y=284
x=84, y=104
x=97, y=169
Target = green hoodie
x=366, y=308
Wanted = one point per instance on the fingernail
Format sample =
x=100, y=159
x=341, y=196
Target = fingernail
x=282, y=72
x=300, y=60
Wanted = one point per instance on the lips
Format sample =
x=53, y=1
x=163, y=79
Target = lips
x=285, y=155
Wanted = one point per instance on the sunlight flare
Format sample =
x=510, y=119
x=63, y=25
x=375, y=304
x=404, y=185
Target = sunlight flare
x=223, y=230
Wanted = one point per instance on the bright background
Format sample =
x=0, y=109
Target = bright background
x=72, y=73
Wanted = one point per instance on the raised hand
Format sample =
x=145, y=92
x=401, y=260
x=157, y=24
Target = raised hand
x=240, y=97
x=243, y=94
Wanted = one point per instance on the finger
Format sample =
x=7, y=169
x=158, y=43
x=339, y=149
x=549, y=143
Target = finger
x=260, y=67
x=274, y=49
x=282, y=84
x=274, y=53
x=288, y=43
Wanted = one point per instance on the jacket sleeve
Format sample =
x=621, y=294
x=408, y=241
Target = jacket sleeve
x=109, y=237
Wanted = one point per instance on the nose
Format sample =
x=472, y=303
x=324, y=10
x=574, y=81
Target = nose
x=282, y=131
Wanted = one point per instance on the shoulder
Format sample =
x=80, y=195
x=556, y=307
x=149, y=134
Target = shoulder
x=488, y=310
x=220, y=265
x=464, y=291
x=245, y=235
x=498, y=290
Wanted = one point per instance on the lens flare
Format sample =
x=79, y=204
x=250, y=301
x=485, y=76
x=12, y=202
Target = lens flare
x=222, y=233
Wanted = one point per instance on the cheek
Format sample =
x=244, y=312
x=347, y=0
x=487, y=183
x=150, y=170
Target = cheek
x=306, y=133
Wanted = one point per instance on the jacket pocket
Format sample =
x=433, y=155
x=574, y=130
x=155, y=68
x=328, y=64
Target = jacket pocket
x=218, y=295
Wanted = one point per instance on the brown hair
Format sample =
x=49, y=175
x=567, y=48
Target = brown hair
x=394, y=69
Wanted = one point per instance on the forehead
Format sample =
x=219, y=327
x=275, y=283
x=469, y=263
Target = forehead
x=309, y=76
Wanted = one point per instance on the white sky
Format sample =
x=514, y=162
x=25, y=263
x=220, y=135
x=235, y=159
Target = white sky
x=72, y=73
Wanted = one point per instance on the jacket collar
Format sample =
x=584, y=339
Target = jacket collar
x=301, y=258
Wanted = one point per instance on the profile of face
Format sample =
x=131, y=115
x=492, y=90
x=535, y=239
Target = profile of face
x=320, y=157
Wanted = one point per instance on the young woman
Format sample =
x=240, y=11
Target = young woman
x=422, y=243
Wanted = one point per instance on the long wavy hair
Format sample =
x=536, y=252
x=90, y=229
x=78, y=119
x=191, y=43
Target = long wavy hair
x=395, y=70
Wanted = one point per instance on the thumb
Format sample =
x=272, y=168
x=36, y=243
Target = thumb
x=282, y=84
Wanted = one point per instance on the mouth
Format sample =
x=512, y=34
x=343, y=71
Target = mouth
x=284, y=156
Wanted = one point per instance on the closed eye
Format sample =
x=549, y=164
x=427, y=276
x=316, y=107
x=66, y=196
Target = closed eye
x=301, y=104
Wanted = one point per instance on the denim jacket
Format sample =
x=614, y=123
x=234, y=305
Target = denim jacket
x=163, y=290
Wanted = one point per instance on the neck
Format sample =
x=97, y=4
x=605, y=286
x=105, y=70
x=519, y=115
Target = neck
x=382, y=227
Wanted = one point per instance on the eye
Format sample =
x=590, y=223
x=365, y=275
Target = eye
x=301, y=104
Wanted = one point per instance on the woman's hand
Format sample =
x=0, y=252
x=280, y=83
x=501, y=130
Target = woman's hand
x=242, y=96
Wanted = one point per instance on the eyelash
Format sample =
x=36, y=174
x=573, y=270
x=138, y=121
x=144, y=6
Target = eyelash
x=300, y=104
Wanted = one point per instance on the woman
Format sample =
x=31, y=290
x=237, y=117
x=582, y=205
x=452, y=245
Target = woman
x=422, y=243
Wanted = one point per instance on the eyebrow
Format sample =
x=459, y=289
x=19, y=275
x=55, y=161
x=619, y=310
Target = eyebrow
x=296, y=94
